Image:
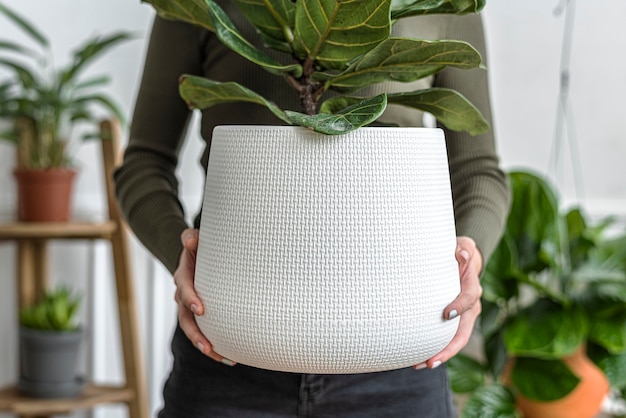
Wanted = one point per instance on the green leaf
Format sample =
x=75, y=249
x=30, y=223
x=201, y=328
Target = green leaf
x=89, y=51
x=344, y=121
x=613, y=365
x=93, y=82
x=491, y=401
x=25, y=26
x=465, y=373
x=13, y=47
x=546, y=330
x=11, y=136
x=55, y=311
x=228, y=34
x=25, y=75
x=533, y=222
x=94, y=136
x=543, y=380
x=499, y=282
x=333, y=33
x=275, y=20
x=202, y=93
x=496, y=354
x=448, y=106
x=609, y=325
x=103, y=101
x=404, y=60
x=191, y=11
x=421, y=7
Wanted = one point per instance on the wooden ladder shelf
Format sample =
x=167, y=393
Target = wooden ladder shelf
x=32, y=265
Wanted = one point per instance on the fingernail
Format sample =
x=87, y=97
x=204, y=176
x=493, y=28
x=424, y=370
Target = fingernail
x=464, y=254
x=436, y=364
x=200, y=347
x=228, y=362
x=453, y=314
x=420, y=366
x=194, y=308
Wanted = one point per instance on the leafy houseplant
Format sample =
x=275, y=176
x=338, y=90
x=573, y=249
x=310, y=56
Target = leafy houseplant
x=49, y=341
x=341, y=46
x=555, y=286
x=43, y=103
x=288, y=236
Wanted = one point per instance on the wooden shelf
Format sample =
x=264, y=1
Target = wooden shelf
x=57, y=230
x=12, y=401
x=32, y=280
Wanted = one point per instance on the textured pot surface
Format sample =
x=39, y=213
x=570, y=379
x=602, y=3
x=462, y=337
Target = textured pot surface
x=44, y=195
x=327, y=254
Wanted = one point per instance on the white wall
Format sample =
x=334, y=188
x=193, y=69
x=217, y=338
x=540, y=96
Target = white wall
x=524, y=42
x=525, y=46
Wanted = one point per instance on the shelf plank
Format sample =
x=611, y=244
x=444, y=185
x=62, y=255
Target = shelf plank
x=12, y=401
x=56, y=230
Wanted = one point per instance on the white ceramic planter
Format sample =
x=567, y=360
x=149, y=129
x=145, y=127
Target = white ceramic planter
x=327, y=254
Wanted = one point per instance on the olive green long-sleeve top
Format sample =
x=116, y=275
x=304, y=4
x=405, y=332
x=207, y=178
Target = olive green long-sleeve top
x=146, y=184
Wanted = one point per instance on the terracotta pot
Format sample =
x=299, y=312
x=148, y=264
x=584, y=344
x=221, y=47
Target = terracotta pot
x=585, y=401
x=44, y=195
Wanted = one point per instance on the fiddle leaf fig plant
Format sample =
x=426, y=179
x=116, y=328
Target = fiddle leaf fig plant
x=43, y=102
x=339, y=46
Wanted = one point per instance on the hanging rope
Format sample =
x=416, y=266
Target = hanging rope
x=565, y=127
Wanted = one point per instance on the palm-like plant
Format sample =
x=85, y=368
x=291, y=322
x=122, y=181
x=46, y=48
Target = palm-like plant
x=43, y=102
x=341, y=46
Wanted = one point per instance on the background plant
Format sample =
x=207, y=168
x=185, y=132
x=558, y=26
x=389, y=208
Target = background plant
x=556, y=283
x=45, y=101
x=56, y=311
x=341, y=46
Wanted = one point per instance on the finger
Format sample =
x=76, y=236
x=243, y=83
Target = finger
x=458, y=342
x=470, y=295
x=189, y=238
x=190, y=327
x=471, y=290
x=184, y=274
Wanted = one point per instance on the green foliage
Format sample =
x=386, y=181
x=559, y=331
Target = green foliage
x=44, y=102
x=56, y=311
x=466, y=374
x=555, y=283
x=491, y=401
x=339, y=46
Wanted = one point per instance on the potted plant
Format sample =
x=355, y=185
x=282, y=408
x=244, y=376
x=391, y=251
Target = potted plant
x=304, y=226
x=554, y=295
x=49, y=345
x=43, y=103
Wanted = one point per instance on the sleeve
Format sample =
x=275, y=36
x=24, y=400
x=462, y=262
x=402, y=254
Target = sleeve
x=479, y=186
x=146, y=184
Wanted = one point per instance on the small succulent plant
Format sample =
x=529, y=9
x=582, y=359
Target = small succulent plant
x=56, y=311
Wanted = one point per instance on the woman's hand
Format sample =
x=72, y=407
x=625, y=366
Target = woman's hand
x=187, y=299
x=467, y=304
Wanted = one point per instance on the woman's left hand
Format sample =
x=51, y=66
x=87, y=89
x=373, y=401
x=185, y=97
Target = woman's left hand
x=467, y=304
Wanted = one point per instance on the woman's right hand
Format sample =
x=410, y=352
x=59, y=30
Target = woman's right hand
x=187, y=299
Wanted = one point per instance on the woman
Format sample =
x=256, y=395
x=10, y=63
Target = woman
x=203, y=383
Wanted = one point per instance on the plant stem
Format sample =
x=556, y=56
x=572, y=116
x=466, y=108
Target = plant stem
x=310, y=91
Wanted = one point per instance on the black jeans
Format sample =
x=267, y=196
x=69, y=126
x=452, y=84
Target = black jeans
x=199, y=387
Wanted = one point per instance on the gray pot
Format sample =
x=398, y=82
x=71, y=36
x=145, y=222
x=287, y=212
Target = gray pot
x=49, y=363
